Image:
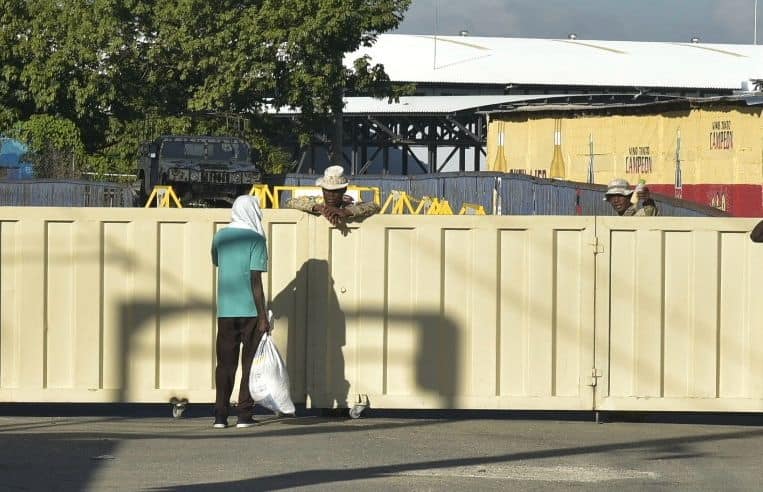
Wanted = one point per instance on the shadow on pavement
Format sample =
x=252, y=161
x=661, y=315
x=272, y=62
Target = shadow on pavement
x=187, y=430
x=333, y=476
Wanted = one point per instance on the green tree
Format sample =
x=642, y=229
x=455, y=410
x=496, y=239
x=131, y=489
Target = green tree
x=55, y=149
x=13, y=103
x=115, y=69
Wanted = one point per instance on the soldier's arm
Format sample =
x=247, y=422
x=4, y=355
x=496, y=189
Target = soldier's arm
x=304, y=203
x=214, y=254
x=362, y=210
x=649, y=208
x=757, y=233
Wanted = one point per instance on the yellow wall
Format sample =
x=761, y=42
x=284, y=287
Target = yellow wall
x=529, y=145
x=117, y=305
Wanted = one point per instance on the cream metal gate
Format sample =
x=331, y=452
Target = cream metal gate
x=679, y=318
x=116, y=305
x=453, y=312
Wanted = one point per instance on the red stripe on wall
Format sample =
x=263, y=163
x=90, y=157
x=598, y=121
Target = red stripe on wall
x=739, y=200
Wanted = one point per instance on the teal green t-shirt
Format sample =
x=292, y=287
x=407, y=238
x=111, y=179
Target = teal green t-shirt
x=236, y=252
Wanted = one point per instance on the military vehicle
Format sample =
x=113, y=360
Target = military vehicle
x=200, y=169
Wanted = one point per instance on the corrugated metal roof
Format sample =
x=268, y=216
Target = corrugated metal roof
x=599, y=102
x=428, y=104
x=485, y=60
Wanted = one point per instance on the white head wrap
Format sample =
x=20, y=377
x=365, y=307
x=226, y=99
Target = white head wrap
x=246, y=214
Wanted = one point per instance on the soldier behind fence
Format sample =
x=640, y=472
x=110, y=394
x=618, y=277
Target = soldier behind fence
x=619, y=196
x=334, y=205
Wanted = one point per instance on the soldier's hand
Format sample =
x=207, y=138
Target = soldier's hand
x=643, y=194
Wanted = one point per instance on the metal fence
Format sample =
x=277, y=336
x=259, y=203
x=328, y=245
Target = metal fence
x=65, y=194
x=457, y=188
x=498, y=193
x=525, y=195
x=507, y=194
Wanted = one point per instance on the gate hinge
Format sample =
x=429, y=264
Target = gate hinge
x=595, y=375
x=598, y=248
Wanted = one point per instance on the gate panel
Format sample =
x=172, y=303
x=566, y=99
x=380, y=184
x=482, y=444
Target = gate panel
x=454, y=312
x=117, y=305
x=678, y=322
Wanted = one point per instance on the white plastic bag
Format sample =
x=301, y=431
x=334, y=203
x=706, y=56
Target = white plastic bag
x=268, y=379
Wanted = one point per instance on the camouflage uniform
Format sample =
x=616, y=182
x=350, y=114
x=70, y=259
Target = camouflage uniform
x=649, y=209
x=359, y=210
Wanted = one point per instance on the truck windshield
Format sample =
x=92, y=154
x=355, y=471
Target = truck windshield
x=227, y=151
x=179, y=150
x=214, y=151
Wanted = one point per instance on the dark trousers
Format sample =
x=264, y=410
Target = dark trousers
x=232, y=334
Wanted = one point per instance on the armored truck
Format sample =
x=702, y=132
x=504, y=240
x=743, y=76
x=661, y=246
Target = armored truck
x=200, y=169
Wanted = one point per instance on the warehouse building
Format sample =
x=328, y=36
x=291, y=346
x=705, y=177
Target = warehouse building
x=475, y=95
x=458, y=65
x=706, y=150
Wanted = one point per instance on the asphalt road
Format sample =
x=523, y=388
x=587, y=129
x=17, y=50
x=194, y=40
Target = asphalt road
x=315, y=453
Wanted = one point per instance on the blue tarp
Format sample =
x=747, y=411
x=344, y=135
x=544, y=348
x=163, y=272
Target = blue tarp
x=11, y=154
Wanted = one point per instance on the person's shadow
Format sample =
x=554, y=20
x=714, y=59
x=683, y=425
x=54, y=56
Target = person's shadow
x=325, y=332
x=310, y=304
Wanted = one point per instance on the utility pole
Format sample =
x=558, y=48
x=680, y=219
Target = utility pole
x=436, y=15
x=755, y=29
x=678, y=186
x=591, y=172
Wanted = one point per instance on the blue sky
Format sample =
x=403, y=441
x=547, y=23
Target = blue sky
x=713, y=21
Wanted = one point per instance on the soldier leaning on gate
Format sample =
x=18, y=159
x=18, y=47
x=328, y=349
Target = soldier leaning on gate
x=337, y=207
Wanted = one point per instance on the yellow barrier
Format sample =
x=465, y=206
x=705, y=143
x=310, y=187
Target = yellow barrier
x=373, y=189
x=262, y=192
x=425, y=204
x=271, y=198
x=164, y=196
x=472, y=209
x=439, y=207
x=398, y=202
x=277, y=190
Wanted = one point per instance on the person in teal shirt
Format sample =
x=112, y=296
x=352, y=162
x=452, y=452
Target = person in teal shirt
x=240, y=254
